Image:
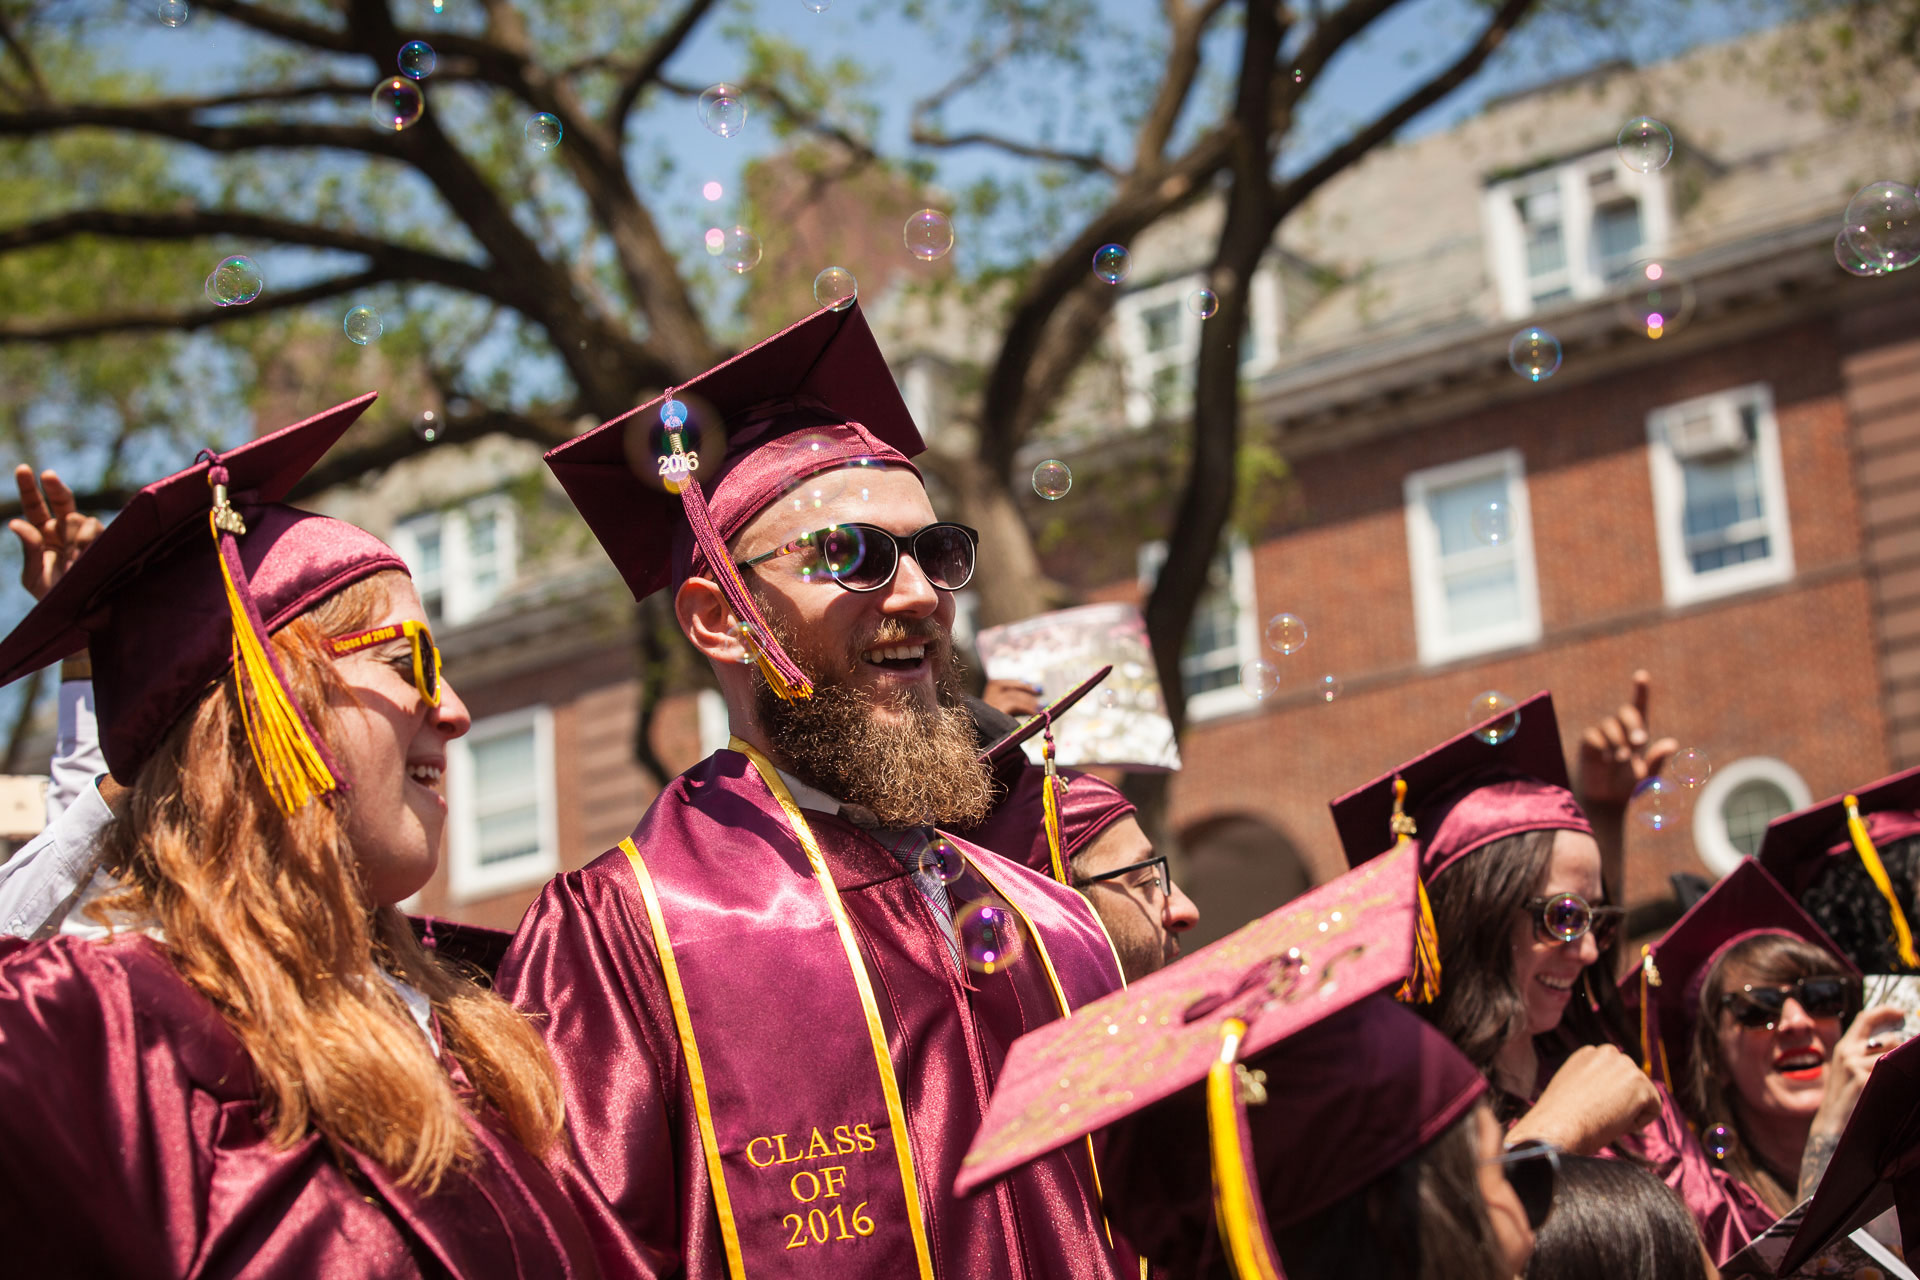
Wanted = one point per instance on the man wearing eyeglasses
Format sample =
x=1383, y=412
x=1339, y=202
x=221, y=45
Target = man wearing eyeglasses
x=778, y=1009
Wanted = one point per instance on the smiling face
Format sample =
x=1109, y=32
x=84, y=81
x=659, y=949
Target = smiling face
x=1546, y=971
x=1777, y=1073
x=392, y=745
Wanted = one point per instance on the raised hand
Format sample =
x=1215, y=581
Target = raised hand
x=1618, y=752
x=52, y=532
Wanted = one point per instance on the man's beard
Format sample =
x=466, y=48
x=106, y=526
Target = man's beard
x=921, y=766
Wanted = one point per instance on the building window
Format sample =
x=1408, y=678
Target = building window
x=461, y=558
x=1572, y=231
x=1720, y=501
x=1470, y=550
x=1159, y=332
x=500, y=791
x=1734, y=808
x=1224, y=635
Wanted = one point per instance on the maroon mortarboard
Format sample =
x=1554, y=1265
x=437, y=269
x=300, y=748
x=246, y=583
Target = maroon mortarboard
x=473, y=944
x=813, y=397
x=1501, y=777
x=1379, y=1083
x=1038, y=801
x=1875, y=1163
x=189, y=580
x=1799, y=848
x=1746, y=904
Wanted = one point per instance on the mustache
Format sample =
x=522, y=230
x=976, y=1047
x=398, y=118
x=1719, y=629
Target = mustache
x=898, y=631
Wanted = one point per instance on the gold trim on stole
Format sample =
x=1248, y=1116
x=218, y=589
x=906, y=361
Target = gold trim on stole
x=876, y=1031
x=696, y=1076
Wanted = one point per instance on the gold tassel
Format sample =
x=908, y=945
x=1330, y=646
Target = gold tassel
x=1422, y=986
x=290, y=764
x=785, y=689
x=1877, y=872
x=1649, y=1040
x=1050, y=811
x=1236, y=1202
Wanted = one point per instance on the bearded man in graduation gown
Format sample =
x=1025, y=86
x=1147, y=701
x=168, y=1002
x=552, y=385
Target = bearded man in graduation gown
x=775, y=1038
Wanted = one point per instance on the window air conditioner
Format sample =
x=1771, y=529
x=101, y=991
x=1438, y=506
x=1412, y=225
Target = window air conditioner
x=1707, y=432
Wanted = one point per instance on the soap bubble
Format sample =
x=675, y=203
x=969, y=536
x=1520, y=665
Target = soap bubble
x=1655, y=802
x=543, y=131
x=1111, y=262
x=173, y=13
x=1260, y=680
x=1534, y=353
x=990, y=936
x=1203, y=303
x=1852, y=263
x=1286, y=634
x=1110, y=699
x=417, y=60
x=835, y=287
x=1052, y=479
x=1689, y=767
x=715, y=240
x=397, y=103
x=740, y=250
x=428, y=428
x=723, y=110
x=928, y=235
x=938, y=858
x=363, y=325
x=1491, y=522
x=1645, y=144
x=1655, y=302
x=1719, y=1141
x=1484, y=707
x=235, y=282
x=1883, y=224
x=1329, y=687
x=648, y=442
x=814, y=6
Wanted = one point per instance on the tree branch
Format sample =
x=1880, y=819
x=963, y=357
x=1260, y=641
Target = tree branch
x=1184, y=57
x=282, y=25
x=790, y=111
x=187, y=321
x=1079, y=160
x=174, y=122
x=24, y=57
x=651, y=64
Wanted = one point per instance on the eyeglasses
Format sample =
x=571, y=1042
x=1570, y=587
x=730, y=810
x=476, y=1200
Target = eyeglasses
x=1161, y=876
x=426, y=654
x=864, y=557
x=1826, y=996
x=1568, y=917
x=1532, y=1168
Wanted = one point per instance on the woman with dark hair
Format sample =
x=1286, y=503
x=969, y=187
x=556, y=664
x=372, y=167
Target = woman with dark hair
x=1613, y=1220
x=1523, y=949
x=1752, y=1023
x=235, y=1058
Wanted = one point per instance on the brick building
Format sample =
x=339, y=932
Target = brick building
x=1733, y=503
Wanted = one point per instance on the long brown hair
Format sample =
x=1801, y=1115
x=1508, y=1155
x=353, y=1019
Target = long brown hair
x=1615, y=1220
x=266, y=916
x=1708, y=1092
x=1480, y=1008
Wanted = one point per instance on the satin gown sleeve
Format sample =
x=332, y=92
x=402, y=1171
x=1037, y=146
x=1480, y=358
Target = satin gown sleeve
x=1728, y=1211
x=583, y=963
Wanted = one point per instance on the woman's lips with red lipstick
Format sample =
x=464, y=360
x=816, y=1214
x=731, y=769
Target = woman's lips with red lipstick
x=1800, y=1065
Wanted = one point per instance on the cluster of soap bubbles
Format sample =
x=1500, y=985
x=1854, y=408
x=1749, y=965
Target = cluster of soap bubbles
x=1286, y=635
x=723, y=109
x=363, y=325
x=1051, y=479
x=1534, y=354
x=1881, y=231
x=235, y=282
x=1656, y=801
x=398, y=103
x=1645, y=144
x=1493, y=717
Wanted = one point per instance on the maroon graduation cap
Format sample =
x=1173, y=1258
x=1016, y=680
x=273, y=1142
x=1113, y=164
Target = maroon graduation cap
x=1358, y=1085
x=815, y=396
x=1748, y=903
x=1799, y=848
x=188, y=582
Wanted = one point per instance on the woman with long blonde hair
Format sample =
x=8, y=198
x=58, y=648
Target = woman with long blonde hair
x=235, y=1058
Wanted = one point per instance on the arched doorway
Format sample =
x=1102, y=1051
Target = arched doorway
x=1236, y=869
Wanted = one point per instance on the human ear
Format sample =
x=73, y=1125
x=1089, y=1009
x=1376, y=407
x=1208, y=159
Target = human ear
x=707, y=620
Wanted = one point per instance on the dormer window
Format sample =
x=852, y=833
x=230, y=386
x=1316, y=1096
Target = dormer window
x=1571, y=231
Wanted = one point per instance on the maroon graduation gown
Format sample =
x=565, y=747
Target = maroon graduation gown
x=586, y=964
x=131, y=1145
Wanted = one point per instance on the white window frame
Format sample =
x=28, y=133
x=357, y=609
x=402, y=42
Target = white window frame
x=1710, y=839
x=467, y=878
x=712, y=720
x=1682, y=585
x=1436, y=643
x=1506, y=235
x=1143, y=366
x=1229, y=699
x=459, y=599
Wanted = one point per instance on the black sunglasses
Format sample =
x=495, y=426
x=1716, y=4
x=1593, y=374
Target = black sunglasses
x=1161, y=875
x=1568, y=917
x=1826, y=996
x=1531, y=1168
x=864, y=557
